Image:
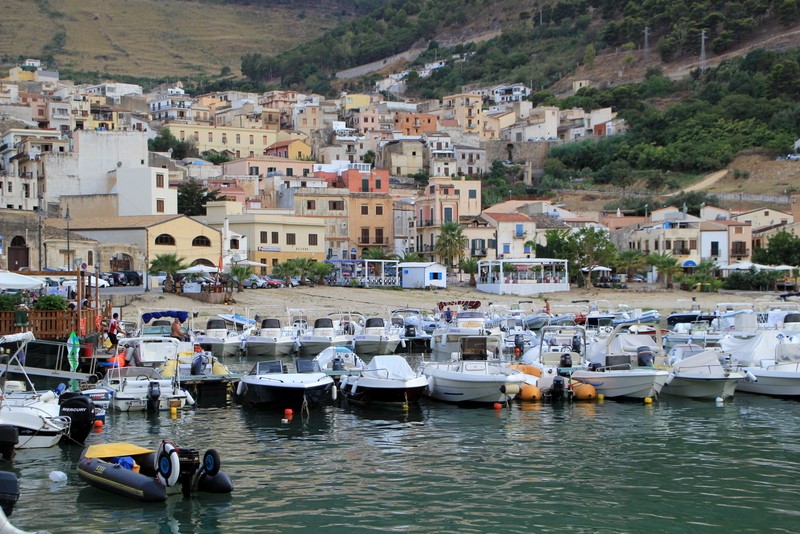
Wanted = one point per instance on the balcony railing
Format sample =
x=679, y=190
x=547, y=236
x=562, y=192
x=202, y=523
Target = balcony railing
x=520, y=235
x=477, y=252
x=740, y=252
x=680, y=251
x=364, y=240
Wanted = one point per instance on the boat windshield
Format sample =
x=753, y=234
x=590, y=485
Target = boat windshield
x=268, y=367
x=138, y=372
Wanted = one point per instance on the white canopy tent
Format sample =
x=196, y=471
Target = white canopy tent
x=9, y=280
x=199, y=269
x=747, y=265
x=598, y=268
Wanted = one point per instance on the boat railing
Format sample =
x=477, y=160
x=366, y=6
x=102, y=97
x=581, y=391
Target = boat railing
x=618, y=367
x=377, y=373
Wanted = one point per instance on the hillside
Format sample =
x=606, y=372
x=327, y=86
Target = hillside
x=158, y=39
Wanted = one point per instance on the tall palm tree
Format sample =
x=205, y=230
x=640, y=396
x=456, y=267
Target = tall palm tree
x=167, y=263
x=667, y=266
x=469, y=266
x=240, y=273
x=320, y=270
x=303, y=268
x=451, y=243
x=411, y=257
x=284, y=270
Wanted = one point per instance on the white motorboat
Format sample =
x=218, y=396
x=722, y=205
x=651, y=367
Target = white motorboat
x=142, y=388
x=414, y=336
x=698, y=373
x=338, y=359
x=770, y=361
x=473, y=376
x=333, y=330
x=377, y=337
x=387, y=379
x=270, y=385
x=465, y=321
x=270, y=340
x=560, y=352
x=625, y=365
x=223, y=335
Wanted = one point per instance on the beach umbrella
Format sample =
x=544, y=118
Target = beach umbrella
x=199, y=269
x=9, y=280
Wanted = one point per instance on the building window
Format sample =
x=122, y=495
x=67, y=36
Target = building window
x=159, y=180
x=693, y=244
x=10, y=187
x=364, y=210
x=210, y=137
x=290, y=239
x=312, y=240
x=715, y=248
x=234, y=244
x=377, y=183
x=311, y=204
x=201, y=241
x=365, y=236
x=90, y=257
x=448, y=215
x=275, y=238
x=378, y=210
x=737, y=230
x=238, y=139
x=336, y=205
x=159, y=205
x=165, y=239
x=262, y=237
x=289, y=171
x=252, y=140
x=379, y=236
x=506, y=248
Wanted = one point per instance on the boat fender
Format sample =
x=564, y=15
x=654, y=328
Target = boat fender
x=168, y=464
x=189, y=399
x=430, y=386
x=334, y=393
x=750, y=377
x=343, y=382
x=240, y=388
x=509, y=389
x=211, y=462
x=354, y=387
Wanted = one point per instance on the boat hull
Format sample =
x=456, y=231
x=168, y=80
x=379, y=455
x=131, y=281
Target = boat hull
x=773, y=383
x=384, y=391
x=447, y=383
x=702, y=387
x=267, y=394
x=272, y=348
x=308, y=348
x=633, y=383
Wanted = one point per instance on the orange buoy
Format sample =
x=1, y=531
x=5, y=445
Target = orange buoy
x=498, y=406
x=527, y=369
x=98, y=423
x=583, y=391
x=288, y=412
x=529, y=393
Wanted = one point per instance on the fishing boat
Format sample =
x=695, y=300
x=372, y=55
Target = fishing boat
x=377, y=337
x=473, y=376
x=270, y=385
x=414, y=337
x=386, y=379
x=699, y=373
x=561, y=351
x=337, y=360
x=151, y=475
x=270, y=339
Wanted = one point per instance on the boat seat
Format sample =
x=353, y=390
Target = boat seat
x=551, y=358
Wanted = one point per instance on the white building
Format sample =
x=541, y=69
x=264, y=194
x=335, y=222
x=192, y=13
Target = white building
x=421, y=275
x=145, y=191
x=504, y=94
x=523, y=277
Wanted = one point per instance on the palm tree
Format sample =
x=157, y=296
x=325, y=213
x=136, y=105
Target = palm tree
x=629, y=261
x=240, y=273
x=411, y=257
x=451, y=243
x=469, y=266
x=320, y=270
x=167, y=263
x=377, y=253
x=667, y=265
x=303, y=268
x=284, y=270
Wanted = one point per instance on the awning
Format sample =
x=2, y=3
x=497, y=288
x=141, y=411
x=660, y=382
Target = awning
x=689, y=263
x=9, y=280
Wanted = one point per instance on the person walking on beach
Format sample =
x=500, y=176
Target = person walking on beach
x=113, y=330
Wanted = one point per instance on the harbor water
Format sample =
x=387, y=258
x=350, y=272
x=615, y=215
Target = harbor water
x=675, y=465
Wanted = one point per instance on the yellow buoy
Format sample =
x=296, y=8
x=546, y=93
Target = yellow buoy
x=601, y=397
x=173, y=412
x=529, y=393
x=648, y=400
x=584, y=391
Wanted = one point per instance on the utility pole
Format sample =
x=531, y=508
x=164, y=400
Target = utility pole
x=703, y=52
x=646, y=51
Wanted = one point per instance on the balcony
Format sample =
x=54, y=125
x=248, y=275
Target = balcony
x=477, y=252
x=680, y=251
x=740, y=252
x=26, y=175
x=366, y=240
x=520, y=235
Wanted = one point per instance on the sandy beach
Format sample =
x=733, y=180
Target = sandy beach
x=320, y=300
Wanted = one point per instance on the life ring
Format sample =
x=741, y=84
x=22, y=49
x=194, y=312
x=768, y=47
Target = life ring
x=168, y=464
x=211, y=462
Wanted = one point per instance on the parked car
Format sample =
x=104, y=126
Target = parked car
x=134, y=278
x=272, y=282
x=638, y=278
x=90, y=280
x=255, y=282
x=116, y=278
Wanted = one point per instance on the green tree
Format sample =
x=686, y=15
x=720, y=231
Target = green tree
x=240, y=273
x=411, y=257
x=285, y=271
x=193, y=197
x=589, y=54
x=469, y=266
x=591, y=247
x=303, y=267
x=167, y=263
x=782, y=248
x=666, y=264
x=630, y=261
x=320, y=270
x=166, y=142
x=451, y=243
x=368, y=157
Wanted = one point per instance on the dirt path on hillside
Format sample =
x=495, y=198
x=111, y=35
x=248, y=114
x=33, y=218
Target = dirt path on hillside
x=705, y=183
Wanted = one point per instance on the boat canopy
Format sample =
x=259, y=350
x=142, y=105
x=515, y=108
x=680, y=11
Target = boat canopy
x=390, y=367
x=182, y=316
x=461, y=304
x=108, y=450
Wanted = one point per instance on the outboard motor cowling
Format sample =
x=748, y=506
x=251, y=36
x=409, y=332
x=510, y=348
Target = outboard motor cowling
x=9, y=437
x=338, y=364
x=558, y=389
x=645, y=357
x=80, y=410
x=153, y=396
x=565, y=362
x=519, y=343
x=410, y=331
x=596, y=367
x=9, y=492
x=198, y=365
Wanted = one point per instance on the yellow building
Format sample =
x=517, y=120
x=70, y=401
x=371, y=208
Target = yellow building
x=355, y=101
x=272, y=236
x=466, y=109
x=241, y=142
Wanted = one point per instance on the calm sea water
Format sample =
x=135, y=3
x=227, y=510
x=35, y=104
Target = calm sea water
x=679, y=466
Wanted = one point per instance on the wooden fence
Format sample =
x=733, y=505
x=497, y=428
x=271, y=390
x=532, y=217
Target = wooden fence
x=50, y=324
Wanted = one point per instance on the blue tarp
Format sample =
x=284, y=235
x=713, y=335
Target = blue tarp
x=182, y=316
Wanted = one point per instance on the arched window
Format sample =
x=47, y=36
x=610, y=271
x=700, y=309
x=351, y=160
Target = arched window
x=165, y=239
x=18, y=241
x=201, y=241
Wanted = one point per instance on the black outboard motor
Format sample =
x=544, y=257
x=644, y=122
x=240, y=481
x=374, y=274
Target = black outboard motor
x=644, y=357
x=558, y=389
x=576, y=344
x=9, y=492
x=596, y=367
x=198, y=365
x=80, y=410
x=9, y=437
x=153, y=396
x=564, y=363
x=190, y=463
x=410, y=331
x=338, y=364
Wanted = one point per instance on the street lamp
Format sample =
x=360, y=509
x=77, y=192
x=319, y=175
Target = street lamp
x=68, y=218
x=645, y=212
x=41, y=217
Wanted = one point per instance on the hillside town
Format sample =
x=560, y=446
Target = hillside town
x=302, y=176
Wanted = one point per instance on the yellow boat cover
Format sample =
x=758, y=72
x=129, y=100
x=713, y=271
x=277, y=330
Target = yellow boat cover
x=108, y=450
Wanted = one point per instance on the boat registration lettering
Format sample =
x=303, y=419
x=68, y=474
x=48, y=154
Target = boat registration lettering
x=99, y=468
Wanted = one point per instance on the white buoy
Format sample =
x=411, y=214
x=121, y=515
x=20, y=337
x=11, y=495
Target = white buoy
x=719, y=400
x=58, y=476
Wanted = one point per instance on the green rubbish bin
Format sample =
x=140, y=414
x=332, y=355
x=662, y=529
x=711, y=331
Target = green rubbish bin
x=20, y=317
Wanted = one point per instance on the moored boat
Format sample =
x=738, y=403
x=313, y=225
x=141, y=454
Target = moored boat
x=386, y=379
x=699, y=374
x=270, y=385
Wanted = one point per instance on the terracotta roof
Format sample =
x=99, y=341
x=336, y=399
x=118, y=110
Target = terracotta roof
x=109, y=223
x=509, y=217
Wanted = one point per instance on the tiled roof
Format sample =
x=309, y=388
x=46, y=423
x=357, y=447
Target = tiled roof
x=111, y=223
